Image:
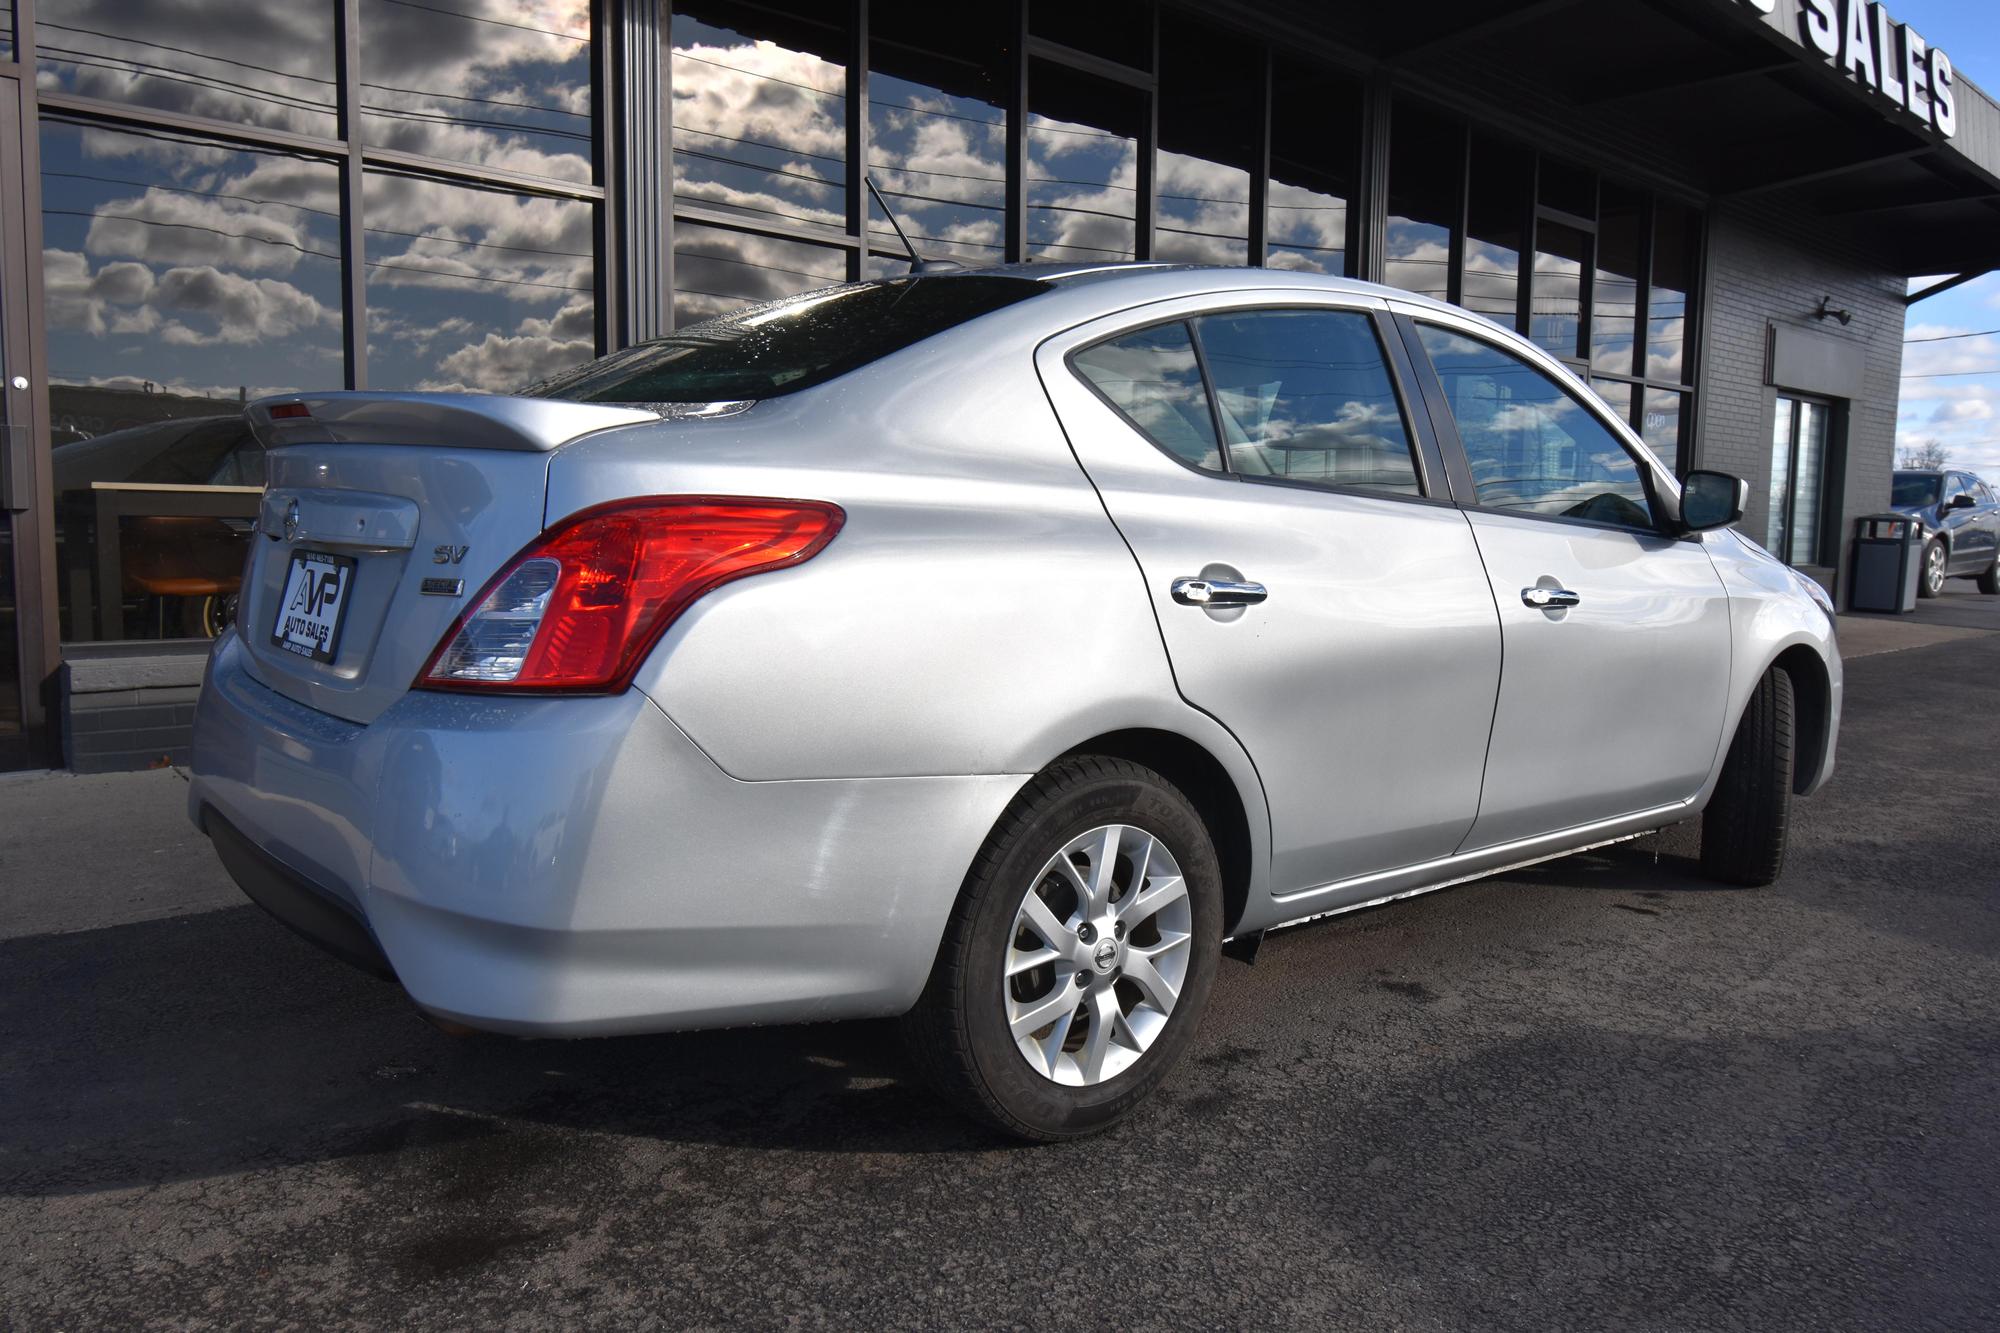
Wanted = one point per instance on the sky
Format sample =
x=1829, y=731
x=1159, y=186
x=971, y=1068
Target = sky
x=1960, y=410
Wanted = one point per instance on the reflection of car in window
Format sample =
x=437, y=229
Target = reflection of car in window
x=179, y=573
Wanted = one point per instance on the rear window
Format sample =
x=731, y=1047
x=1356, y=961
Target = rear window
x=1914, y=488
x=780, y=347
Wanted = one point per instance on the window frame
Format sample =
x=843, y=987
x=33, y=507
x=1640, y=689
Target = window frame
x=1426, y=458
x=1663, y=508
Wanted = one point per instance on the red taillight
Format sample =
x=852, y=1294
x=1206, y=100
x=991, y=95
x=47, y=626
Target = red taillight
x=580, y=608
x=284, y=411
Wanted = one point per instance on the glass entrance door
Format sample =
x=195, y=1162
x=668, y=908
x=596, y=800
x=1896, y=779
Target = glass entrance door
x=1798, y=472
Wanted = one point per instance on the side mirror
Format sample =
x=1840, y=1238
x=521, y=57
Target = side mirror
x=1712, y=500
x=1961, y=501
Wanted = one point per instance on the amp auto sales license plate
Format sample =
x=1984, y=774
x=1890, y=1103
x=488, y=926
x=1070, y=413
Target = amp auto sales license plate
x=315, y=603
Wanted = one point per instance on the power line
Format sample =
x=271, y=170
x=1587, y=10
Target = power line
x=1952, y=374
x=476, y=18
x=1947, y=337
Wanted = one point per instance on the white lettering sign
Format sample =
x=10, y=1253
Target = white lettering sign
x=1888, y=58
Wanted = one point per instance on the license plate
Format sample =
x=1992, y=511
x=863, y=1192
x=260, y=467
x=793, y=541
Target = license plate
x=315, y=603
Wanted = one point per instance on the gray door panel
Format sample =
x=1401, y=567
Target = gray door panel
x=1362, y=687
x=1611, y=706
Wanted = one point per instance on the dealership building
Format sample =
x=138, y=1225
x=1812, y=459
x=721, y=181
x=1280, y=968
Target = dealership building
x=1710, y=209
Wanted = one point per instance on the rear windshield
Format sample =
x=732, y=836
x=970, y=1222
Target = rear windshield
x=1915, y=488
x=783, y=346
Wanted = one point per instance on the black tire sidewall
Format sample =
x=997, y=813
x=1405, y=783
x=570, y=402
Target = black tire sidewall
x=1125, y=796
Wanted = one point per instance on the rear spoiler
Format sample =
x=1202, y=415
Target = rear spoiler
x=446, y=420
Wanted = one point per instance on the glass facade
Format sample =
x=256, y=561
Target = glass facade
x=199, y=229
x=240, y=198
x=1315, y=146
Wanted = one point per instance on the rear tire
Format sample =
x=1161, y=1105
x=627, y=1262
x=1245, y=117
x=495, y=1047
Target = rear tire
x=1743, y=829
x=967, y=1032
x=1989, y=582
x=1930, y=579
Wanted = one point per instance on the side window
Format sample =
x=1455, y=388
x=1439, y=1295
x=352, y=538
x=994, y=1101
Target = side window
x=1534, y=449
x=1306, y=395
x=1152, y=377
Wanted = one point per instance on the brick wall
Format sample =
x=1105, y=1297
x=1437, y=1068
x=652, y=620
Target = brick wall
x=1767, y=265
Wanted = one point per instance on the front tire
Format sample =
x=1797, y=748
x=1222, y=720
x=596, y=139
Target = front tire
x=1100, y=886
x=1930, y=581
x=1743, y=829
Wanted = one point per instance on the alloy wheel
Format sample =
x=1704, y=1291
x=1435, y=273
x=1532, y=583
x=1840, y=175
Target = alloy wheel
x=1934, y=568
x=1098, y=955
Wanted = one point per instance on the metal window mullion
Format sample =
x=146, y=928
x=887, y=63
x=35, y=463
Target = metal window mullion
x=200, y=127
x=353, y=242
x=1461, y=227
x=607, y=303
x=1260, y=167
x=1524, y=300
x=466, y=173
x=640, y=185
x=857, y=137
x=737, y=222
x=35, y=573
x=1642, y=312
x=1016, y=239
x=1146, y=205
x=661, y=198
x=1371, y=230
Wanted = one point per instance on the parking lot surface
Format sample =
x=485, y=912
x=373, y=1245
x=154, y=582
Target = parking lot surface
x=1597, y=1093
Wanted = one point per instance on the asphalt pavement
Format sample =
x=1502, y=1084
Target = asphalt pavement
x=1600, y=1093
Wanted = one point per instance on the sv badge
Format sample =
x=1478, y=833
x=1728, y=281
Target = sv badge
x=448, y=555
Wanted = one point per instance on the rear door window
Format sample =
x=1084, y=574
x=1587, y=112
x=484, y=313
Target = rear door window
x=1153, y=378
x=1300, y=396
x=1532, y=445
x=1305, y=396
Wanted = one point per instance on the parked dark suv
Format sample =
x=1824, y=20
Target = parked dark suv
x=1961, y=518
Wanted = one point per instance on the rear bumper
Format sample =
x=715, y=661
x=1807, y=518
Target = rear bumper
x=295, y=900
x=578, y=866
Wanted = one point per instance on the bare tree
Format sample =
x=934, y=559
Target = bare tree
x=1928, y=455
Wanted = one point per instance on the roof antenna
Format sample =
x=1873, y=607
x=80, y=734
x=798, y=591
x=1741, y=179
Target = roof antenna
x=918, y=264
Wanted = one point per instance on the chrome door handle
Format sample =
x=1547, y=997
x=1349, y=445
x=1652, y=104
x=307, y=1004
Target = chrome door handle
x=1549, y=599
x=1217, y=592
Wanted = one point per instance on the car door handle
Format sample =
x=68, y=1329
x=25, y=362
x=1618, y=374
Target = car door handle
x=1548, y=599
x=1217, y=592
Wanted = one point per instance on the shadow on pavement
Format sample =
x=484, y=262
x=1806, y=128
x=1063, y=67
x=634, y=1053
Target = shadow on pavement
x=216, y=1043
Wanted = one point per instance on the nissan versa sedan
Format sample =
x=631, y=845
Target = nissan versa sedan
x=984, y=648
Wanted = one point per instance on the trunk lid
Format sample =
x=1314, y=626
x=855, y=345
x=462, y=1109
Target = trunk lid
x=395, y=510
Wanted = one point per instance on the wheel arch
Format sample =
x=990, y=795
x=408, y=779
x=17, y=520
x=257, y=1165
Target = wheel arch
x=1812, y=702
x=1204, y=780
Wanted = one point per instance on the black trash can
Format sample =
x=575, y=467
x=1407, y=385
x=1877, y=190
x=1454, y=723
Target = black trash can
x=1888, y=555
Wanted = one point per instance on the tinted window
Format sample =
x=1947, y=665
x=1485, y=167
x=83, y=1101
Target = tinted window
x=1534, y=449
x=1305, y=394
x=780, y=347
x=1152, y=378
x=1914, y=488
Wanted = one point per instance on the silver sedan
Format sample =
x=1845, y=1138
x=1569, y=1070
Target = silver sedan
x=984, y=648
